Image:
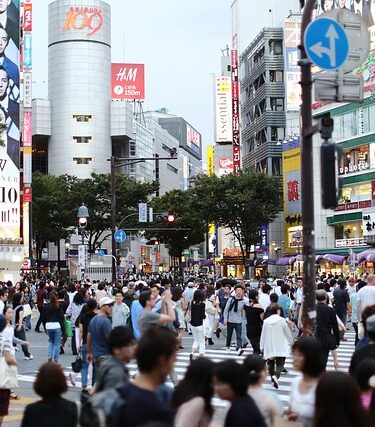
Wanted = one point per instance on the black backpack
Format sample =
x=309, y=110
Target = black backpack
x=102, y=409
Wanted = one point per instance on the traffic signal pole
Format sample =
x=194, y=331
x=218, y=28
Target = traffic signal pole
x=307, y=174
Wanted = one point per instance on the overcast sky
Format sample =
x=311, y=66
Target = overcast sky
x=180, y=43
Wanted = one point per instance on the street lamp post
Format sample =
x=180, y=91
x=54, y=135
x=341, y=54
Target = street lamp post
x=83, y=215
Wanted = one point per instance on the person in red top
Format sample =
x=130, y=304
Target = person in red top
x=41, y=295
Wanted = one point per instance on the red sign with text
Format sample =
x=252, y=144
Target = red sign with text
x=128, y=81
x=27, y=194
x=28, y=16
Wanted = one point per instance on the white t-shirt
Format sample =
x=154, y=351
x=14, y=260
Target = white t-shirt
x=302, y=404
x=366, y=297
x=264, y=300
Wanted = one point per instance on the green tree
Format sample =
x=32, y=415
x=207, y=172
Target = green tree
x=53, y=213
x=242, y=203
x=95, y=193
x=179, y=203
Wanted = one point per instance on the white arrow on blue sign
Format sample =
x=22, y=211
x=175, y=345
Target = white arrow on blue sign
x=120, y=236
x=326, y=44
x=100, y=252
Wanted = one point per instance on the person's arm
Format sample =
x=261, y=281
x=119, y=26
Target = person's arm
x=20, y=319
x=89, y=348
x=226, y=311
x=334, y=324
x=167, y=308
x=11, y=361
x=190, y=413
x=359, y=311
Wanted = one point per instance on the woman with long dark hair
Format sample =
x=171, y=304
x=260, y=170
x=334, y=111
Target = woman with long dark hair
x=196, y=323
x=254, y=317
x=192, y=396
x=338, y=402
x=308, y=358
x=19, y=327
x=54, y=318
x=230, y=383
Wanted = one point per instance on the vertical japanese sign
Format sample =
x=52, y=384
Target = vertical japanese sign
x=292, y=32
x=10, y=122
x=27, y=16
x=210, y=172
x=291, y=190
x=235, y=113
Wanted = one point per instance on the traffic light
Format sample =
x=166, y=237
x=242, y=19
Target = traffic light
x=153, y=242
x=166, y=217
x=330, y=155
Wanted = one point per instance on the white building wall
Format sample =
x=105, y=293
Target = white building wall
x=79, y=84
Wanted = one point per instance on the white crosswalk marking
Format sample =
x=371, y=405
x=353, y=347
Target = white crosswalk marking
x=345, y=352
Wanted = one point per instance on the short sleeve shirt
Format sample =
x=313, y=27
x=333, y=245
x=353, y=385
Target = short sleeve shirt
x=99, y=328
x=148, y=319
x=5, y=345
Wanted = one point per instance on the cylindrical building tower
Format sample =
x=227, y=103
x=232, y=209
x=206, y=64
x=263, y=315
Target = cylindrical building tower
x=79, y=81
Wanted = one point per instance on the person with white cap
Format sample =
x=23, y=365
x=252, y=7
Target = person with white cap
x=99, y=328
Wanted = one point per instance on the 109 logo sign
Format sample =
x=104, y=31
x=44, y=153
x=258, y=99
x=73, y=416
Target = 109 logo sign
x=84, y=17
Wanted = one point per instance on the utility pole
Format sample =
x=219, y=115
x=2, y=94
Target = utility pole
x=307, y=173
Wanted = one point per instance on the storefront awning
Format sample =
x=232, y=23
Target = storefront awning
x=286, y=261
x=336, y=259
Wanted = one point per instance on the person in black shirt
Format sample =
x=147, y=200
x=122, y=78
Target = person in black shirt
x=155, y=356
x=198, y=314
x=230, y=383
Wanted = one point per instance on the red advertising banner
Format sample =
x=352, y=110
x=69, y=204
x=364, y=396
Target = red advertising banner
x=128, y=81
x=27, y=194
x=373, y=190
x=28, y=16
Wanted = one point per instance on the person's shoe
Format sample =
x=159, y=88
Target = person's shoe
x=190, y=333
x=31, y=357
x=275, y=382
x=228, y=348
x=62, y=350
x=85, y=391
x=72, y=379
x=285, y=371
x=217, y=333
x=245, y=345
x=16, y=349
x=37, y=331
x=210, y=342
x=191, y=357
x=240, y=353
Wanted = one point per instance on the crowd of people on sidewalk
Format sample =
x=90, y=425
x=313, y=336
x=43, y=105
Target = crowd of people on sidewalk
x=145, y=318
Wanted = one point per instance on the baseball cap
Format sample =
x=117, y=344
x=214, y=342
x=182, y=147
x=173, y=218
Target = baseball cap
x=106, y=301
x=370, y=323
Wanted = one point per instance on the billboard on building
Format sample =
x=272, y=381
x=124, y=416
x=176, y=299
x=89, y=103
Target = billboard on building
x=225, y=166
x=223, y=110
x=210, y=160
x=291, y=191
x=10, y=126
x=193, y=139
x=27, y=16
x=292, y=35
x=235, y=112
x=128, y=81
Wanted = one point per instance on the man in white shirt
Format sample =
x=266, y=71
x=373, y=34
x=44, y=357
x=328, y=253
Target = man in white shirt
x=3, y=299
x=366, y=296
x=264, y=296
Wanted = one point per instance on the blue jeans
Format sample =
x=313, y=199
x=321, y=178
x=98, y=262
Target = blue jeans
x=85, y=366
x=234, y=327
x=27, y=321
x=54, y=342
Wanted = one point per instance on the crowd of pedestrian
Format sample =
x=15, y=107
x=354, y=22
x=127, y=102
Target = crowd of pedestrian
x=108, y=325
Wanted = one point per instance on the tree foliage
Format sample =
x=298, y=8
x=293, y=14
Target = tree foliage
x=181, y=204
x=242, y=203
x=56, y=201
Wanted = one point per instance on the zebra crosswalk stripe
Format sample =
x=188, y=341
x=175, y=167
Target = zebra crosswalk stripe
x=344, y=353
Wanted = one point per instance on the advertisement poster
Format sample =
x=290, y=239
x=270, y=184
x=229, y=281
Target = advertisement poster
x=225, y=166
x=292, y=35
x=223, y=110
x=128, y=81
x=9, y=123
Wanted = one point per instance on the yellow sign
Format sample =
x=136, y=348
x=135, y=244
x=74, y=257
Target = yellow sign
x=210, y=172
x=291, y=192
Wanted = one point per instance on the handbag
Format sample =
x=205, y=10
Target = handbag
x=77, y=364
x=27, y=310
x=68, y=328
x=8, y=373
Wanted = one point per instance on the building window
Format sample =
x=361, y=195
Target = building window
x=82, y=117
x=356, y=160
x=172, y=169
x=276, y=76
x=276, y=47
x=82, y=160
x=82, y=139
x=277, y=104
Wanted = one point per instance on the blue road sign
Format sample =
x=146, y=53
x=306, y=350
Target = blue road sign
x=100, y=252
x=121, y=271
x=326, y=43
x=120, y=236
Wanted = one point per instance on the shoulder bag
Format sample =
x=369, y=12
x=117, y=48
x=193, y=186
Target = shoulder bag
x=8, y=373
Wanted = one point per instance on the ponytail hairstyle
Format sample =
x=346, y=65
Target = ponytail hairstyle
x=53, y=300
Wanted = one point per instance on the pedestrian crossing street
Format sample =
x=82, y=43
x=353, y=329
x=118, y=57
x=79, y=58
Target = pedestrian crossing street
x=345, y=352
